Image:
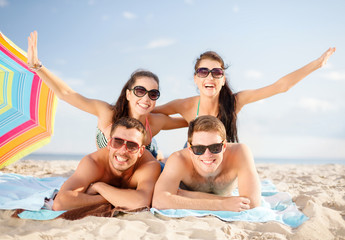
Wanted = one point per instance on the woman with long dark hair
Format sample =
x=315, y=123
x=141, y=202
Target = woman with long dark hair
x=216, y=97
x=137, y=99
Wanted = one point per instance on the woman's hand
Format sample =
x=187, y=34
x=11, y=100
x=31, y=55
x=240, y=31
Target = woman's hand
x=33, y=61
x=324, y=58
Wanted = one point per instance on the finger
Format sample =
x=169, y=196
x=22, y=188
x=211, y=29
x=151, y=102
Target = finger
x=245, y=200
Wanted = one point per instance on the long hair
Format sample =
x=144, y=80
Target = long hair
x=121, y=107
x=227, y=101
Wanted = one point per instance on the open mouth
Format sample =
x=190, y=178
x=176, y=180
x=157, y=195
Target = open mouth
x=120, y=159
x=208, y=162
x=209, y=86
x=144, y=105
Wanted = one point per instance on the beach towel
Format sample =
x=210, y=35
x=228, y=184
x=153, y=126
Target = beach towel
x=96, y=210
x=275, y=206
x=28, y=194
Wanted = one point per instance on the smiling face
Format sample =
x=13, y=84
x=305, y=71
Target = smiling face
x=141, y=105
x=209, y=86
x=208, y=163
x=120, y=158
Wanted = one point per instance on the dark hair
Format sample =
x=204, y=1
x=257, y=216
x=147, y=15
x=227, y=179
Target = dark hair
x=129, y=123
x=120, y=108
x=206, y=123
x=227, y=101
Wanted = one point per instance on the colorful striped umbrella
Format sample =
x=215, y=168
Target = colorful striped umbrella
x=27, y=106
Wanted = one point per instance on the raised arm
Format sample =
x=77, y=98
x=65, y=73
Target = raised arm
x=73, y=192
x=165, y=122
x=169, y=108
x=60, y=88
x=283, y=84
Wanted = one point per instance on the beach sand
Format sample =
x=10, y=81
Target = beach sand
x=318, y=191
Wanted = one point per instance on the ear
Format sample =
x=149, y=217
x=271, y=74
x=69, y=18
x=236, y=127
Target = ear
x=224, y=146
x=224, y=80
x=128, y=92
x=141, y=151
x=195, y=79
x=189, y=148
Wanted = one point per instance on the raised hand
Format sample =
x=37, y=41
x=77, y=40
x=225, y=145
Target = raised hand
x=324, y=57
x=33, y=61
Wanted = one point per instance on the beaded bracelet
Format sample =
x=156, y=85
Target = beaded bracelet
x=36, y=67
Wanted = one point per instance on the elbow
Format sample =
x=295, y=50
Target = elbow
x=60, y=202
x=57, y=205
x=284, y=89
x=64, y=95
x=159, y=202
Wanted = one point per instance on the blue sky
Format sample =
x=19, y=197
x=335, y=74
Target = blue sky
x=94, y=46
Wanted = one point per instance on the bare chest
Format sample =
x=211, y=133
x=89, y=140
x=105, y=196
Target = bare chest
x=222, y=186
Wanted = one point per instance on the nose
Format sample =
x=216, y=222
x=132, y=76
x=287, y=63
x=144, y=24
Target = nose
x=146, y=97
x=123, y=148
x=210, y=76
x=207, y=153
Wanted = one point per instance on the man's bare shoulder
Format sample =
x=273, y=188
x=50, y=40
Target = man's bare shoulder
x=94, y=164
x=236, y=148
x=147, y=161
x=238, y=154
x=181, y=158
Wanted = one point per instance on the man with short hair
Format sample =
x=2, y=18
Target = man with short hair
x=204, y=175
x=124, y=173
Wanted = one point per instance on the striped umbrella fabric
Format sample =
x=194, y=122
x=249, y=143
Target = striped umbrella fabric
x=27, y=106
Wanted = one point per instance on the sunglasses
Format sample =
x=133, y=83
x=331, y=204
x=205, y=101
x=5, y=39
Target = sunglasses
x=140, y=91
x=213, y=148
x=204, y=72
x=117, y=143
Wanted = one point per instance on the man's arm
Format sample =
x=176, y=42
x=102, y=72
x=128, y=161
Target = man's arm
x=248, y=178
x=168, y=196
x=73, y=192
x=145, y=176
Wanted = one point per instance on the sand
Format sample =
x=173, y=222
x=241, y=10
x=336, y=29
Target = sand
x=318, y=191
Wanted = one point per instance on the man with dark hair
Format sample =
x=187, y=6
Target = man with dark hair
x=124, y=173
x=203, y=176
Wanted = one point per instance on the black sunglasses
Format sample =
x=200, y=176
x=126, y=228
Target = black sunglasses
x=213, y=148
x=117, y=143
x=204, y=72
x=140, y=91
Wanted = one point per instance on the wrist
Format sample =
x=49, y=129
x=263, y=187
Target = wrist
x=36, y=66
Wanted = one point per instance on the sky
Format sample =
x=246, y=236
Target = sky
x=94, y=46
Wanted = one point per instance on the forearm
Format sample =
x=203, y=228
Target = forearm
x=197, y=195
x=60, y=88
x=128, y=198
x=174, y=122
x=71, y=199
x=291, y=79
x=171, y=201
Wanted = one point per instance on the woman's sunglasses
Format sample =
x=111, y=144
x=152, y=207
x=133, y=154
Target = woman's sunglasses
x=213, y=148
x=140, y=91
x=204, y=72
x=117, y=143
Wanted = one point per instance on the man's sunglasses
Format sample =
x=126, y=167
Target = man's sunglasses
x=140, y=91
x=117, y=143
x=213, y=148
x=204, y=72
